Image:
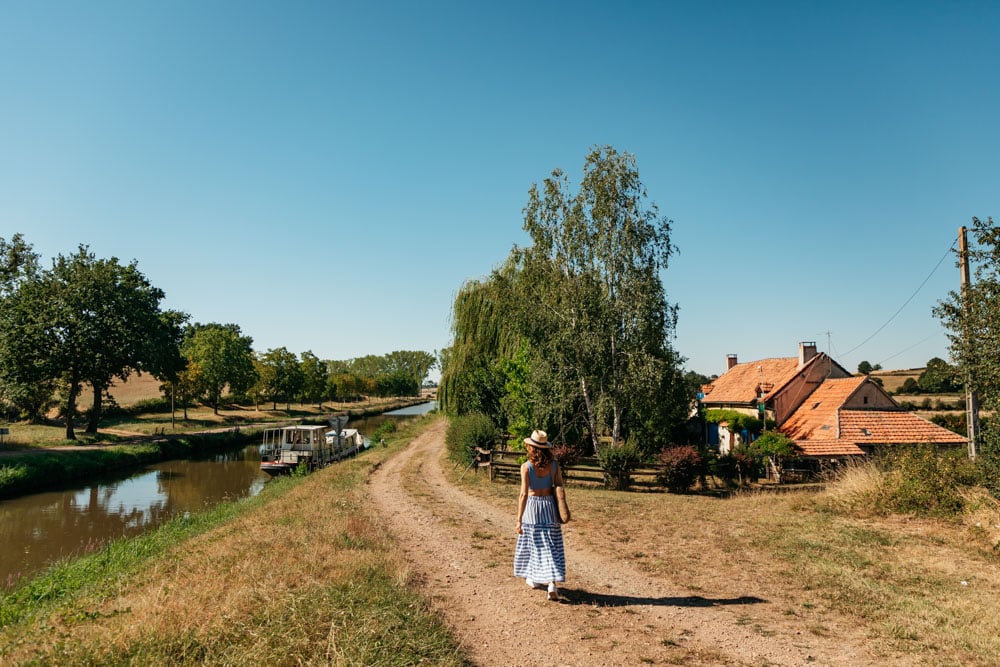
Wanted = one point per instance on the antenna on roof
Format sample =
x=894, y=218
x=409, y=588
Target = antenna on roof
x=829, y=353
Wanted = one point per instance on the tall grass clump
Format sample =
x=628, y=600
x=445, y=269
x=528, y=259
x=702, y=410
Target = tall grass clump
x=466, y=433
x=918, y=480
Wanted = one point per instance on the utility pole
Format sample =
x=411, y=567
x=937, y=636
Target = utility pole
x=971, y=398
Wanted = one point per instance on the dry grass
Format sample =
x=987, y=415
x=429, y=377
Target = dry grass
x=893, y=380
x=136, y=388
x=920, y=591
x=309, y=577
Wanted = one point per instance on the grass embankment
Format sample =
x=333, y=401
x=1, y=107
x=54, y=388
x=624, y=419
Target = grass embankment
x=34, y=471
x=300, y=574
x=920, y=590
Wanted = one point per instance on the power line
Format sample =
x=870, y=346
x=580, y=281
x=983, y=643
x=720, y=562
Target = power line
x=893, y=356
x=905, y=303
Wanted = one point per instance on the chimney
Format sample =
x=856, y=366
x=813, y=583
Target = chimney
x=730, y=361
x=807, y=350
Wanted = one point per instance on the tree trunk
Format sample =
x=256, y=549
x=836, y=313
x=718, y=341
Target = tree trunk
x=591, y=418
x=74, y=389
x=95, y=410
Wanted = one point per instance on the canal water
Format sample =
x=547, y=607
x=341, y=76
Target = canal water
x=42, y=528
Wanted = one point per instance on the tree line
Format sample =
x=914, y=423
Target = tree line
x=87, y=322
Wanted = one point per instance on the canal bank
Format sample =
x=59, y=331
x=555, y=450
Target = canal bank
x=279, y=578
x=37, y=469
x=40, y=528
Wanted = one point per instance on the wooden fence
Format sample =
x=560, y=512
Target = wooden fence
x=503, y=465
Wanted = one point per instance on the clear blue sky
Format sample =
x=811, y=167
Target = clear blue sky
x=328, y=174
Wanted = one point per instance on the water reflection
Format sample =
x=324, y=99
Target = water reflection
x=42, y=528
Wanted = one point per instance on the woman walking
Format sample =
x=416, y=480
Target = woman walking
x=538, y=556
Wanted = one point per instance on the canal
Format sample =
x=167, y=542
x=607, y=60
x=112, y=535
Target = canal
x=42, y=528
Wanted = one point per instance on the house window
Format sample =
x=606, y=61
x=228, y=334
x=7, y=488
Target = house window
x=866, y=400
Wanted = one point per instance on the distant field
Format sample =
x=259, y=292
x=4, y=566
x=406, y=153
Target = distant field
x=893, y=380
x=138, y=388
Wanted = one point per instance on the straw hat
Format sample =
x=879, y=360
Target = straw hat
x=538, y=439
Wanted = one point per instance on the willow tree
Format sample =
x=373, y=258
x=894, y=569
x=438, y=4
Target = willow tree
x=483, y=335
x=599, y=318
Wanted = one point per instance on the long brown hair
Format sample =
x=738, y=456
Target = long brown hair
x=539, y=456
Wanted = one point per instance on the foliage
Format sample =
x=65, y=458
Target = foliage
x=280, y=376
x=772, y=444
x=909, y=386
x=599, y=316
x=973, y=322
x=224, y=358
x=571, y=333
x=939, y=377
x=953, y=422
x=466, y=433
x=925, y=481
x=737, y=421
x=865, y=367
x=84, y=320
x=566, y=454
x=385, y=428
x=737, y=466
x=682, y=466
x=313, y=378
x=988, y=461
x=482, y=338
x=618, y=462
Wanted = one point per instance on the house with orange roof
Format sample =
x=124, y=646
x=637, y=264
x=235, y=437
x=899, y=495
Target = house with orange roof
x=828, y=412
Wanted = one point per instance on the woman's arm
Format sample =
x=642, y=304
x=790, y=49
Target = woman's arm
x=523, y=498
x=558, y=480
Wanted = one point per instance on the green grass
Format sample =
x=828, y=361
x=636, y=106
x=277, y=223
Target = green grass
x=130, y=603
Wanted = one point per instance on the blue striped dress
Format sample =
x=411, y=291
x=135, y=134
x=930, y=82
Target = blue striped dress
x=539, y=552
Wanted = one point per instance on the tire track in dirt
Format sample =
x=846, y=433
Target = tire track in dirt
x=461, y=549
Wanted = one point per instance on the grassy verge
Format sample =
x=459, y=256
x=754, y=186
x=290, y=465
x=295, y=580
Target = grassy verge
x=914, y=590
x=35, y=471
x=301, y=574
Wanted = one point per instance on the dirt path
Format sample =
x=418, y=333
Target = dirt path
x=461, y=549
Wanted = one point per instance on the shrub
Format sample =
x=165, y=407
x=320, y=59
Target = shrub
x=150, y=405
x=682, y=465
x=384, y=429
x=922, y=480
x=952, y=422
x=618, y=462
x=466, y=433
x=736, y=467
x=567, y=455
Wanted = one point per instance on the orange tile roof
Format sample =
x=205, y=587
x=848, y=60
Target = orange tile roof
x=830, y=447
x=817, y=416
x=891, y=427
x=740, y=383
x=822, y=427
